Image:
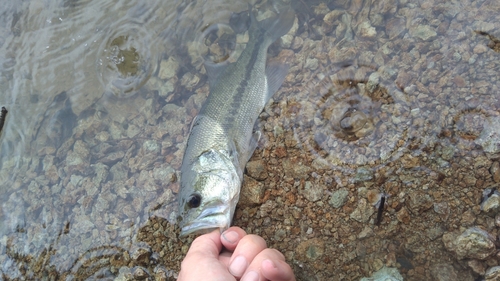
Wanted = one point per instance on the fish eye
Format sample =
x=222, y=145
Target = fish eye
x=194, y=201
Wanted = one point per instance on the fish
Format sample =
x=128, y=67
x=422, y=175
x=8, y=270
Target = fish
x=222, y=137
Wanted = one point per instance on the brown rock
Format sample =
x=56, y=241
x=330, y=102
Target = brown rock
x=395, y=27
x=495, y=171
x=403, y=215
x=477, y=266
x=252, y=191
x=257, y=170
x=479, y=49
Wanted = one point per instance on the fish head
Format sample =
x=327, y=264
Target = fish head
x=209, y=193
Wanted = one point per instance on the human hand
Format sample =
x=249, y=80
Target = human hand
x=233, y=255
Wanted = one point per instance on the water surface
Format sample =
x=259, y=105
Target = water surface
x=389, y=97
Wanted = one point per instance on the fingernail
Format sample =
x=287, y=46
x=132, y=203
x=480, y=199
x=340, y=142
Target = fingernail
x=230, y=236
x=269, y=263
x=250, y=276
x=238, y=266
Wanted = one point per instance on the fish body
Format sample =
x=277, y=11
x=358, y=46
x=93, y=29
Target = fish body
x=222, y=138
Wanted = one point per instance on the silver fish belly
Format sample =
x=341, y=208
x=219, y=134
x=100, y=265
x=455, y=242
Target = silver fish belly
x=222, y=138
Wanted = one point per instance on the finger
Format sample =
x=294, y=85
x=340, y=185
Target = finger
x=269, y=265
x=206, y=245
x=204, y=249
x=277, y=270
x=246, y=250
x=231, y=237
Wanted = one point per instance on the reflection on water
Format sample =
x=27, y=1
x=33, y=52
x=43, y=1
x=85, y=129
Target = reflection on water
x=391, y=99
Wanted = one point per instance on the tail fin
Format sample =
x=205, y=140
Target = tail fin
x=277, y=27
x=274, y=27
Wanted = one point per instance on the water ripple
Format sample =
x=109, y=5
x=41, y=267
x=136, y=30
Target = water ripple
x=353, y=116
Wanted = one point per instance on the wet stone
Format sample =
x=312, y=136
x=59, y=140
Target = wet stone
x=474, y=243
x=363, y=211
x=385, y=274
x=490, y=136
x=295, y=169
x=366, y=30
x=419, y=202
x=311, y=249
x=444, y=272
x=101, y=171
x=423, y=32
x=140, y=274
x=491, y=204
x=338, y=198
x=312, y=192
x=168, y=68
x=403, y=216
x=142, y=256
x=363, y=174
x=257, y=170
x=477, y=266
x=395, y=27
x=492, y=274
x=252, y=191
x=119, y=171
x=495, y=171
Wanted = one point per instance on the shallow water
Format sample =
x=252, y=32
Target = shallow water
x=386, y=97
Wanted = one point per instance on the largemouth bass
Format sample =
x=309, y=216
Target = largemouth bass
x=222, y=138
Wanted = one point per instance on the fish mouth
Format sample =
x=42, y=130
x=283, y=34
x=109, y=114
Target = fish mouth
x=210, y=218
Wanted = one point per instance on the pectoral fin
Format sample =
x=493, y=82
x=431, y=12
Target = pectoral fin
x=275, y=74
x=254, y=140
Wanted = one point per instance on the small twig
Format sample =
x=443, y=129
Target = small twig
x=3, y=114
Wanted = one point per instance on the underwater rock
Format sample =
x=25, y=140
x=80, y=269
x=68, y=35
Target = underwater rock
x=474, y=243
x=492, y=274
x=168, y=68
x=423, y=32
x=490, y=136
x=495, y=171
x=444, y=272
x=385, y=274
x=491, y=201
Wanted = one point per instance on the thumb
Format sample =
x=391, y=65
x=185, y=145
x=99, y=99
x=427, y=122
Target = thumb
x=206, y=245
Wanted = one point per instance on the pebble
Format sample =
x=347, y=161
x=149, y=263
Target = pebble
x=477, y=266
x=480, y=48
x=473, y=243
x=168, y=68
x=366, y=30
x=444, y=272
x=490, y=136
x=295, y=169
x=338, y=198
x=385, y=274
x=257, y=170
x=495, y=171
x=423, y=32
x=252, y=191
x=312, y=191
x=363, y=211
x=492, y=274
x=491, y=204
x=311, y=249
